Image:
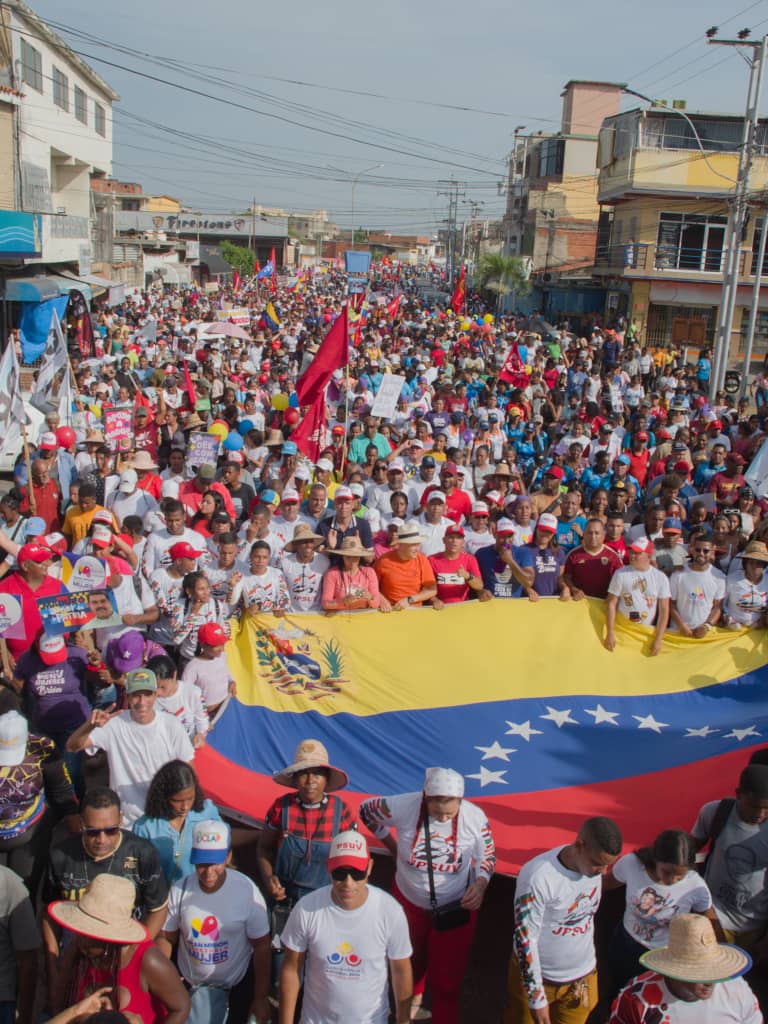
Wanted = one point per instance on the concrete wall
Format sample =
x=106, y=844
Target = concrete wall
x=586, y=104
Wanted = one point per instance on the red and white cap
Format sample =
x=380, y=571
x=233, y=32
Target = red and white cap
x=343, y=494
x=547, y=522
x=642, y=546
x=213, y=634
x=479, y=508
x=103, y=516
x=290, y=497
x=48, y=442
x=52, y=649
x=348, y=850
x=505, y=528
x=182, y=549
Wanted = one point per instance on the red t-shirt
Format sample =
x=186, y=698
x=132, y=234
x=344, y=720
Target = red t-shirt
x=620, y=547
x=47, y=503
x=725, y=487
x=152, y=484
x=15, y=584
x=451, y=588
x=592, y=572
x=638, y=465
x=457, y=504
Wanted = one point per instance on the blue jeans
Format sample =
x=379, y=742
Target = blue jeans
x=209, y=1005
x=7, y=1011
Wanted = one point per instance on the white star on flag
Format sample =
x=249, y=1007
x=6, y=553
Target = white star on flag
x=496, y=750
x=701, y=733
x=741, y=734
x=601, y=715
x=560, y=718
x=649, y=722
x=523, y=729
x=486, y=777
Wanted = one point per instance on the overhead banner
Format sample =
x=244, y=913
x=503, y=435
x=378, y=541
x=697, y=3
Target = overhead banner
x=546, y=726
x=385, y=402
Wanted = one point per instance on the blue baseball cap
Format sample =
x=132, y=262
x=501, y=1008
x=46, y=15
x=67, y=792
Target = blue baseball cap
x=289, y=448
x=624, y=460
x=672, y=525
x=428, y=461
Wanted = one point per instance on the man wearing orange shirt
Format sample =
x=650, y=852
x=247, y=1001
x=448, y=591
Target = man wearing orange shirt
x=405, y=575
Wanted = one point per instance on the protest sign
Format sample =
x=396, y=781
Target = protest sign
x=385, y=402
x=83, y=573
x=82, y=609
x=117, y=428
x=203, y=450
x=234, y=315
x=11, y=624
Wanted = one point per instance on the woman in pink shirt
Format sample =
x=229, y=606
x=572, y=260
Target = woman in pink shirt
x=353, y=586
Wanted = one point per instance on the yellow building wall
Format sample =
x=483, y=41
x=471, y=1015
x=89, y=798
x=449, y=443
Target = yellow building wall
x=162, y=204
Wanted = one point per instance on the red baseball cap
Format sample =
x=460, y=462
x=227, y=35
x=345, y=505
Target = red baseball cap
x=212, y=634
x=641, y=435
x=33, y=553
x=449, y=467
x=182, y=549
x=454, y=531
x=555, y=471
x=642, y=546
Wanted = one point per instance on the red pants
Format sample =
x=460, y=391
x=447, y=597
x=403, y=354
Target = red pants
x=439, y=956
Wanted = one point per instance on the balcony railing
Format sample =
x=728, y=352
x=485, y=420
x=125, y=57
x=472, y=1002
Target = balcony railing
x=639, y=256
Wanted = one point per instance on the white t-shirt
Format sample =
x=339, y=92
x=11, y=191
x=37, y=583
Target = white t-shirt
x=433, y=535
x=736, y=870
x=348, y=953
x=158, y=544
x=135, y=752
x=639, y=593
x=211, y=676
x=215, y=928
x=731, y=1002
x=473, y=541
x=650, y=906
x=695, y=593
x=745, y=602
x=305, y=582
x=188, y=707
x=554, y=923
x=462, y=848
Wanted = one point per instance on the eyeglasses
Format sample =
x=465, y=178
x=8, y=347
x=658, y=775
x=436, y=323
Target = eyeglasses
x=357, y=874
x=110, y=832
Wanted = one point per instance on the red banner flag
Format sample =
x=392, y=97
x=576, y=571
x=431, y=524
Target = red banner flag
x=273, y=276
x=140, y=401
x=236, y=281
x=310, y=435
x=256, y=267
x=393, y=307
x=332, y=355
x=460, y=291
x=513, y=370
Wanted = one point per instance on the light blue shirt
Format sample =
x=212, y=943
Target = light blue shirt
x=174, y=848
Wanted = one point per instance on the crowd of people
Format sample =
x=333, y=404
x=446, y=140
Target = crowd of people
x=513, y=464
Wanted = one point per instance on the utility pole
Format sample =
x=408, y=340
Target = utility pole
x=453, y=192
x=737, y=212
x=754, y=309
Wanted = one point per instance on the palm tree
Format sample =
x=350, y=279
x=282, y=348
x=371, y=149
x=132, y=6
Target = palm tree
x=502, y=274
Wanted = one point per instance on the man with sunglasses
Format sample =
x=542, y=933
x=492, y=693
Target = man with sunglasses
x=102, y=847
x=697, y=590
x=348, y=938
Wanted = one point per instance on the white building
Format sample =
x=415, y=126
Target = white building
x=63, y=130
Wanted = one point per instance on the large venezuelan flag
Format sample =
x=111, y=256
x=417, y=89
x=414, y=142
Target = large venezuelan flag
x=545, y=725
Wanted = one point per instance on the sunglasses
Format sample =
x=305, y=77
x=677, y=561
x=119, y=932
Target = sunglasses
x=110, y=832
x=357, y=874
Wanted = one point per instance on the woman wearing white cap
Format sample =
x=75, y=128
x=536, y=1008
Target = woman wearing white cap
x=445, y=859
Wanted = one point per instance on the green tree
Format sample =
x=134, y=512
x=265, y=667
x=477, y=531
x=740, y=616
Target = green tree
x=238, y=257
x=502, y=274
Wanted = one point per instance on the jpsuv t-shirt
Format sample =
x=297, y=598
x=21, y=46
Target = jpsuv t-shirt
x=346, y=974
x=650, y=906
x=215, y=928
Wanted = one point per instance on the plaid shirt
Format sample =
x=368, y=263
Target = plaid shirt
x=313, y=823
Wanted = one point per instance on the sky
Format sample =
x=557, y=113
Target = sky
x=221, y=103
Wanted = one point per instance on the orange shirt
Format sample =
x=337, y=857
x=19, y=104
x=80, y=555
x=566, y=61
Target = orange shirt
x=399, y=579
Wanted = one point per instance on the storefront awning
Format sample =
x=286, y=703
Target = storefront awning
x=67, y=285
x=31, y=289
x=99, y=285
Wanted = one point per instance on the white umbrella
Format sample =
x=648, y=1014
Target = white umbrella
x=228, y=330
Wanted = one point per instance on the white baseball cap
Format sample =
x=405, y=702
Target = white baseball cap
x=348, y=850
x=13, y=739
x=210, y=842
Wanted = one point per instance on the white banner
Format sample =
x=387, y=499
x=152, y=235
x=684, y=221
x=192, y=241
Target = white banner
x=386, y=398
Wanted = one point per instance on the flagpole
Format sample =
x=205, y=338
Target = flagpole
x=28, y=461
x=346, y=395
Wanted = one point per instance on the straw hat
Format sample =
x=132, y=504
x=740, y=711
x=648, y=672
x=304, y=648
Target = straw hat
x=409, y=534
x=141, y=460
x=274, y=437
x=94, y=437
x=302, y=532
x=351, y=546
x=694, y=954
x=192, y=422
x=311, y=754
x=104, y=911
x=757, y=550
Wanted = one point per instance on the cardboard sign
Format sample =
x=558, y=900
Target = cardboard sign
x=118, y=432
x=385, y=402
x=82, y=609
x=203, y=450
x=236, y=315
x=11, y=624
x=83, y=572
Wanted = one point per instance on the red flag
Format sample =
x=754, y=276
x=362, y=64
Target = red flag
x=273, y=278
x=356, y=301
x=256, y=267
x=460, y=291
x=310, y=435
x=393, y=307
x=332, y=355
x=140, y=401
x=513, y=370
x=189, y=387
x=236, y=281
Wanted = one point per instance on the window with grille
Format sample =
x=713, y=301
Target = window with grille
x=81, y=105
x=60, y=89
x=31, y=66
x=99, y=119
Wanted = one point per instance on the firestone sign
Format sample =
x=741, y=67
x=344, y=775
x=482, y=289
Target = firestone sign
x=223, y=225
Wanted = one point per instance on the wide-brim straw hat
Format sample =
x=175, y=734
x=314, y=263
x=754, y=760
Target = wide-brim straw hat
x=756, y=550
x=104, y=911
x=409, y=534
x=694, y=954
x=274, y=437
x=302, y=532
x=351, y=547
x=311, y=754
x=192, y=422
x=141, y=460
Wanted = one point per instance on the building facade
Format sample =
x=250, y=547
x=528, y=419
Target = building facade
x=665, y=210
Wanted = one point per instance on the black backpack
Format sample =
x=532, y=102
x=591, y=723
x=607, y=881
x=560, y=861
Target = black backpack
x=722, y=813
